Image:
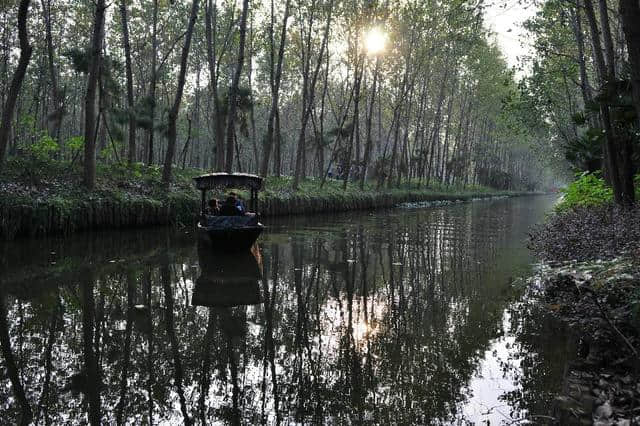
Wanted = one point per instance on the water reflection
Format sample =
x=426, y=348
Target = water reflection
x=361, y=318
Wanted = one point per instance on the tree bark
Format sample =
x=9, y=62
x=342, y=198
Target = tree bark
x=369, y=142
x=175, y=109
x=233, y=91
x=610, y=145
x=630, y=14
x=57, y=112
x=90, y=97
x=153, y=82
x=127, y=55
x=16, y=82
x=211, y=22
x=275, y=91
x=309, y=91
x=579, y=35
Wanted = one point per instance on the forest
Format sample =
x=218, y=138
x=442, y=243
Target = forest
x=388, y=92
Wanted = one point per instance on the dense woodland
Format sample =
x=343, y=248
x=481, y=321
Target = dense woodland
x=585, y=85
x=391, y=91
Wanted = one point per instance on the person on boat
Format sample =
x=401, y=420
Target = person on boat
x=238, y=203
x=214, y=207
x=230, y=207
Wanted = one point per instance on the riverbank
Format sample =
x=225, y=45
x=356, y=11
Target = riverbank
x=591, y=281
x=50, y=201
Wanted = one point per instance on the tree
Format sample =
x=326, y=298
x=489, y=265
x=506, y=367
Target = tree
x=175, y=109
x=127, y=55
x=630, y=13
x=16, y=82
x=233, y=90
x=95, y=64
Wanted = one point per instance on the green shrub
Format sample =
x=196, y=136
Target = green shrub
x=588, y=190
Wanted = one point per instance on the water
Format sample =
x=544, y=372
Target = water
x=404, y=316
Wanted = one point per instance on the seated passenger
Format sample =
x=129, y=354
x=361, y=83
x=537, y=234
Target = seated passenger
x=230, y=207
x=214, y=208
x=238, y=202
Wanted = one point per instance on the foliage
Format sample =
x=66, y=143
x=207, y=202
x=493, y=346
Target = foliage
x=588, y=190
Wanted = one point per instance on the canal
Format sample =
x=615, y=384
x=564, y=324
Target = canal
x=403, y=316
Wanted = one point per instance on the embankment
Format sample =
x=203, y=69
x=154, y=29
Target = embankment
x=24, y=218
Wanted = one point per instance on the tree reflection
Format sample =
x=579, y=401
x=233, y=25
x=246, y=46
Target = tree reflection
x=379, y=319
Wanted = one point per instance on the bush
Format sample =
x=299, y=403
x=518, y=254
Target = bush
x=588, y=190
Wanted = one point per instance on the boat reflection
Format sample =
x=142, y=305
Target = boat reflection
x=228, y=280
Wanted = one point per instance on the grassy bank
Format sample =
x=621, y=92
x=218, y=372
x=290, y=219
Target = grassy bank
x=48, y=198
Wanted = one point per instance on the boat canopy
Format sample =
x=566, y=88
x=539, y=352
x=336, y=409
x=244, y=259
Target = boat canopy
x=228, y=180
x=213, y=181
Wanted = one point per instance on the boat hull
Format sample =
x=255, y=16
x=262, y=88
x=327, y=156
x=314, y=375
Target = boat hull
x=232, y=239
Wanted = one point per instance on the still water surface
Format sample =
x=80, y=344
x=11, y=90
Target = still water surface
x=404, y=316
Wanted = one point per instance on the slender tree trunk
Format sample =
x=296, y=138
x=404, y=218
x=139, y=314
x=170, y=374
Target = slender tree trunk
x=57, y=112
x=16, y=82
x=275, y=90
x=579, y=35
x=611, y=147
x=355, y=129
x=309, y=96
x=369, y=142
x=175, y=109
x=90, y=97
x=211, y=30
x=127, y=56
x=630, y=14
x=153, y=82
x=233, y=91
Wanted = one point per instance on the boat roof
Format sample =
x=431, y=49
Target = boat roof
x=228, y=180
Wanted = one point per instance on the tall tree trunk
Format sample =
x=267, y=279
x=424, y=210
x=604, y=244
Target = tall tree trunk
x=309, y=96
x=611, y=147
x=175, y=109
x=95, y=66
x=153, y=82
x=579, y=35
x=57, y=112
x=369, y=142
x=355, y=129
x=16, y=81
x=630, y=14
x=127, y=56
x=275, y=88
x=233, y=91
x=211, y=22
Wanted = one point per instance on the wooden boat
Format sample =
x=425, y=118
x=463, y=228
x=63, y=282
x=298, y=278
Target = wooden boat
x=229, y=233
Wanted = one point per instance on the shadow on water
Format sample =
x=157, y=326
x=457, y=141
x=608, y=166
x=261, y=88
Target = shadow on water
x=386, y=317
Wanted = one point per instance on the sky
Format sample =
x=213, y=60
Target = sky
x=505, y=18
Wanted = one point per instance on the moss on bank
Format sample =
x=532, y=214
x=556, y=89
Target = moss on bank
x=49, y=199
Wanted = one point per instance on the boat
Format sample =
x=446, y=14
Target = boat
x=229, y=233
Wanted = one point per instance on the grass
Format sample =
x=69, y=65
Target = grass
x=40, y=184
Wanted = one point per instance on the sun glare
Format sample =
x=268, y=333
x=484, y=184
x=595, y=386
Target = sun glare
x=375, y=41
